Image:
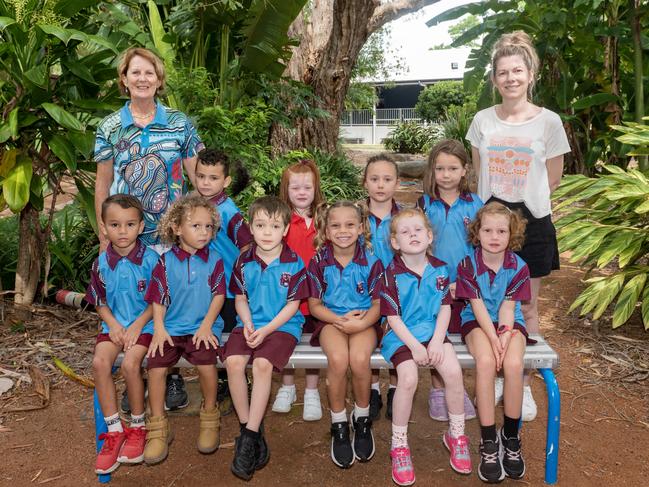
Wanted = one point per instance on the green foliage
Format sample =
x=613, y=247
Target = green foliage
x=634, y=134
x=8, y=251
x=413, y=138
x=604, y=222
x=457, y=29
x=435, y=99
x=456, y=122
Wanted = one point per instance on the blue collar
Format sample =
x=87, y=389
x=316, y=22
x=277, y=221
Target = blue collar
x=127, y=119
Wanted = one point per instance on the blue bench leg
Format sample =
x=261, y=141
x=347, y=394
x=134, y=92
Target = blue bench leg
x=554, y=418
x=100, y=427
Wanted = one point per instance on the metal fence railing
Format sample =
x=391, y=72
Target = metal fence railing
x=380, y=116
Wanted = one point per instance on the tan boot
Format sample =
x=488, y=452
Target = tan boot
x=158, y=437
x=209, y=435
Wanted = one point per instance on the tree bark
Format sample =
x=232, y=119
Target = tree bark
x=331, y=35
x=31, y=244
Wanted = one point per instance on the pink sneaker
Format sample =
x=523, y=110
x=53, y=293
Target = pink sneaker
x=437, y=405
x=133, y=448
x=107, y=456
x=460, y=456
x=403, y=473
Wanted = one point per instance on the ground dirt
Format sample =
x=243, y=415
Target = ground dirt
x=604, y=423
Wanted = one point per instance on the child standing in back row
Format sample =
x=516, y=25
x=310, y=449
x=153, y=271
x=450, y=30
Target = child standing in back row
x=344, y=278
x=381, y=180
x=495, y=280
x=187, y=291
x=416, y=300
x=450, y=206
x=118, y=280
x=300, y=190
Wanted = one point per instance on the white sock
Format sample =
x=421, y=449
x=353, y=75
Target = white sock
x=338, y=417
x=361, y=412
x=137, y=420
x=290, y=387
x=311, y=392
x=376, y=386
x=399, y=436
x=392, y=386
x=114, y=424
x=456, y=425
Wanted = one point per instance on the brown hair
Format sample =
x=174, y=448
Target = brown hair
x=516, y=224
x=517, y=43
x=322, y=216
x=453, y=148
x=382, y=157
x=126, y=59
x=124, y=201
x=407, y=213
x=179, y=211
x=272, y=206
x=303, y=166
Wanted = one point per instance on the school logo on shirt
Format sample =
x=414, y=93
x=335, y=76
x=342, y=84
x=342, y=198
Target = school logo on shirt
x=360, y=288
x=441, y=283
x=285, y=279
x=141, y=285
x=467, y=221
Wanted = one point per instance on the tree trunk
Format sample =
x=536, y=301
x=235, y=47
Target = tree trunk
x=331, y=36
x=31, y=243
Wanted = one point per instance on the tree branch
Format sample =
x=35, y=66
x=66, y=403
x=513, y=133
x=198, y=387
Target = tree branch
x=387, y=12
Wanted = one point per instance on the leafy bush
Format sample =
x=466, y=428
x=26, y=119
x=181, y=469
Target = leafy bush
x=435, y=99
x=8, y=251
x=605, y=222
x=412, y=138
x=456, y=122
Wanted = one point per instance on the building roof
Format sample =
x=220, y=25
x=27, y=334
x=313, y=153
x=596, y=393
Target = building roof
x=424, y=66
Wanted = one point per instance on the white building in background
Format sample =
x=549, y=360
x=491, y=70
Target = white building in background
x=398, y=96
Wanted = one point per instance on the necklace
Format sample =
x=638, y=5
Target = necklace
x=144, y=115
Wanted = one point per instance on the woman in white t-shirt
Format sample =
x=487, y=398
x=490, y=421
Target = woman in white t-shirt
x=517, y=150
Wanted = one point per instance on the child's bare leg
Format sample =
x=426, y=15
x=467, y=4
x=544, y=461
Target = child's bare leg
x=262, y=375
x=480, y=348
x=288, y=377
x=375, y=376
x=157, y=389
x=207, y=376
x=393, y=378
x=513, y=371
x=335, y=345
x=436, y=380
x=407, y=379
x=361, y=346
x=312, y=378
x=132, y=372
x=102, y=366
x=451, y=374
x=236, y=367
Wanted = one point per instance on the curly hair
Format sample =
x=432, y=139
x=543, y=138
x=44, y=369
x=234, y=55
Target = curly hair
x=516, y=224
x=303, y=166
x=408, y=213
x=179, y=211
x=322, y=216
x=450, y=147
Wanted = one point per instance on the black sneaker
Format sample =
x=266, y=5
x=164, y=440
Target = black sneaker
x=490, y=469
x=388, y=408
x=511, y=456
x=262, y=452
x=176, y=395
x=375, y=404
x=243, y=464
x=342, y=452
x=223, y=398
x=124, y=406
x=363, y=438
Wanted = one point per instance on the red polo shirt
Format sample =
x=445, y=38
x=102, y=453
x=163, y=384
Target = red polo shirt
x=300, y=239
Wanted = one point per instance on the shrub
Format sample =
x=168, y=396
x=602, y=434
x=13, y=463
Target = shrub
x=8, y=251
x=435, y=99
x=412, y=138
x=456, y=122
x=605, y=222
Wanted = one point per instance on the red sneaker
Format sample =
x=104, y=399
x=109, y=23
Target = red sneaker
x=107, y=456
x=133, y=448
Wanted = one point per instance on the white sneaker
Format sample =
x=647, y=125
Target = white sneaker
x=284, y=400
x=312, y=407
x=529, y=405
x=499, y=389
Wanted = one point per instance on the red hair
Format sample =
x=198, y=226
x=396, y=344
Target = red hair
x=303, y=166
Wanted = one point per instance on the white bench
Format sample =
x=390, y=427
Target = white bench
x=538, y=356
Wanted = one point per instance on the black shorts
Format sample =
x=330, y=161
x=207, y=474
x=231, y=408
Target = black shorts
x=540, y=250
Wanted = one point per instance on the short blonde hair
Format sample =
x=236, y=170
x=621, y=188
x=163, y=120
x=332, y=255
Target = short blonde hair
x=517, y=224
x=179, y=211
x=407, y=213
x=125, y=61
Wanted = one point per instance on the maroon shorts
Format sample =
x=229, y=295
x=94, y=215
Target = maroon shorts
x=471, y=325
x=319, y=325
x=183, y=347
x=144, y=339
x=276, y=348
x=455, y=324
x=403, y=353
x=309, y=324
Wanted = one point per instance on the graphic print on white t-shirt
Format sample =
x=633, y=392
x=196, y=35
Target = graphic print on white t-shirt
x=509, y=164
